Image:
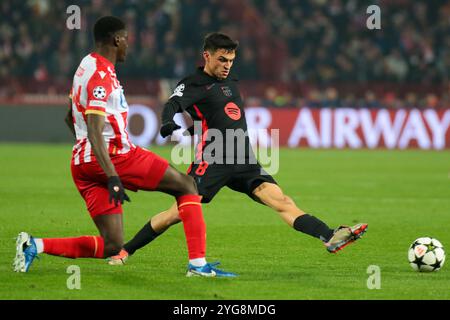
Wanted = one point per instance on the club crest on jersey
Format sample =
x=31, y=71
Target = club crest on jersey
x=227, y=91
x=178, y=91
x=99, y=92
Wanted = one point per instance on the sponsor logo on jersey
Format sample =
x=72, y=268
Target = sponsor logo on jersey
x=178, y=91
x=232, y=111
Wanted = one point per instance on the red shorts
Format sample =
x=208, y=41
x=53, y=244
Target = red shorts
x=139, y=169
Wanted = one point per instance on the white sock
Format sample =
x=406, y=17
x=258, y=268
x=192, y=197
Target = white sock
x=39, y=245
x=198, y=262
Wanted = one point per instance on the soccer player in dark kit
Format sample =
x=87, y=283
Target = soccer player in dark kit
x=211, y=95
x=105, y=163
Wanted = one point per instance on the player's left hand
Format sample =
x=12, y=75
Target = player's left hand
x=116, y=191
x=168, y=127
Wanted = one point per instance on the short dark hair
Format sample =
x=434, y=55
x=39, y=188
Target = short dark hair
x=215, y=41
x=106, y=27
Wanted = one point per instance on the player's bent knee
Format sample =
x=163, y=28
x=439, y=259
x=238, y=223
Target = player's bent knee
x=189, y=186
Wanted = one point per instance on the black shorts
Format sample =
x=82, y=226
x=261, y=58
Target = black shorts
x=242, y=178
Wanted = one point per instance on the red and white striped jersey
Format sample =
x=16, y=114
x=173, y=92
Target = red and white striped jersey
x=96, y=90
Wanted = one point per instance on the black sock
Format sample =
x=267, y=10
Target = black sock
x=141, y=239
x=314, y=227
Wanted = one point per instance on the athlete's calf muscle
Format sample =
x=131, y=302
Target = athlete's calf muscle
x=163, y=220
x=271, y=195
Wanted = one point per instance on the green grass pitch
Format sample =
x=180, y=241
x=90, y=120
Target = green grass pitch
x=403, y=195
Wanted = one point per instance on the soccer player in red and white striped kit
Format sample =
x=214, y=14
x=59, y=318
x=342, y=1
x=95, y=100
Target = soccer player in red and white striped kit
x=105, y=163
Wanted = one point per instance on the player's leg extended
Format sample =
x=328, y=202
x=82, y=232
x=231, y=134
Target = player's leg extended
x=271, y=195
x=187, y=209
x=183, y=188
x=108, y=219
x=163, y=220
x=108, y=243
x=28, y=248
x=157, y=225
x=190, y=212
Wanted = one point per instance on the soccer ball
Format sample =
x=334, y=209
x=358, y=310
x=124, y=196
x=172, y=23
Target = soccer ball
x=426, y=254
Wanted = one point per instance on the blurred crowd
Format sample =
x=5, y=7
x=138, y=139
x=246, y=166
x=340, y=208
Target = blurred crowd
x=165, y=36
x=326, y=42
x=329, y=40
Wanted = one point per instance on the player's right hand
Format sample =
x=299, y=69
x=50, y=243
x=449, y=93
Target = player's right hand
x=168, y=127
x=116, y=191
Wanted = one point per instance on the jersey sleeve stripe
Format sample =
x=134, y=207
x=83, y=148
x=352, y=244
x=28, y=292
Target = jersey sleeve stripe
x=93, y=107
x=91, y=111
x=189, y=203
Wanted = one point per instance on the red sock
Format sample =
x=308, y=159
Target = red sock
x=81, y=247
x=190, y=211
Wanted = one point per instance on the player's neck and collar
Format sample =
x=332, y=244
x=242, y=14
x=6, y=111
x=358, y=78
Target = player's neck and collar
x=202, y=71
x=106, y=56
